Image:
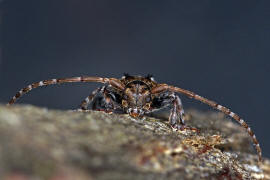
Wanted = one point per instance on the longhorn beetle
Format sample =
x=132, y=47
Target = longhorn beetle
x=136, y=96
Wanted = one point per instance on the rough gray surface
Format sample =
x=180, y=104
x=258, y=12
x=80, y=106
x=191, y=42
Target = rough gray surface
x=37, y=143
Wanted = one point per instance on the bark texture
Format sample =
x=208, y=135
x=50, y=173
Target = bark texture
x=37, y=143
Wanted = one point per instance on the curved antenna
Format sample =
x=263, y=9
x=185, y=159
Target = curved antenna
x=227, y=111
x=112, y=81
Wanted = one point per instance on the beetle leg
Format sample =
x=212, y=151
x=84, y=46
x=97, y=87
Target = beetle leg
x=102, y=99
x=88, y=100
x=176, y=117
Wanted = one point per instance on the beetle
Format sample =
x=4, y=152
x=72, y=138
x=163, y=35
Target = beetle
x=138, y=96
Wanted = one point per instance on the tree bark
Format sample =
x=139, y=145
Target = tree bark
x=37, y=143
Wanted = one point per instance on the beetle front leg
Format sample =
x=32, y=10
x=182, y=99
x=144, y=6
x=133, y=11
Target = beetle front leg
x=88, y=100
x=176, y=118
x=102, y=99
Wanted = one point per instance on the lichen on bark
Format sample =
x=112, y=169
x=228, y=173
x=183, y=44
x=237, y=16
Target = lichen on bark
x=37, y=143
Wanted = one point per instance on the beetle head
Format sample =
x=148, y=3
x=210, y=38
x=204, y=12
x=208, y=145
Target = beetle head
x=136, y=99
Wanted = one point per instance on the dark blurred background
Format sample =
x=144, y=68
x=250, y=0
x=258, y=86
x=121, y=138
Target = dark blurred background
x=218, y=49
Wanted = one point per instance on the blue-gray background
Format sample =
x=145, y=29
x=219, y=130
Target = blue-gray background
x=219, y=49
